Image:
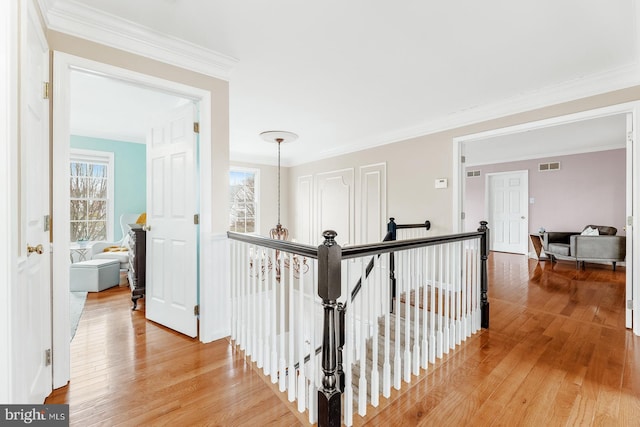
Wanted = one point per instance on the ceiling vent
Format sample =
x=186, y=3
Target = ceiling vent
x=546, y=167
x=471, y=174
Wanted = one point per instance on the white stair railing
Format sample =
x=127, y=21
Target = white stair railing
x=416, y=301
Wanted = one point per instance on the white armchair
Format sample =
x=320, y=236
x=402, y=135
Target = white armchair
x=122, y=251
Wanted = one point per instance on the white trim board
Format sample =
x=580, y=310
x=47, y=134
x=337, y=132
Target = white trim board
x=63, y=65
x=76, y=19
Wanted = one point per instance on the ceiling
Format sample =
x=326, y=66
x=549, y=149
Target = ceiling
x=350, y=75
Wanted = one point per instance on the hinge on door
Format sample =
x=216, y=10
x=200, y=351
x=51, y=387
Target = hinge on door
x=47, y=357
x=629, y=221
x=630, y=304
x=196, y=127
x=630, y=137
x=196, y=219
x=462, y=215
x=463, y=159
x=196, y=310
x=45, y=90
x=47, y=222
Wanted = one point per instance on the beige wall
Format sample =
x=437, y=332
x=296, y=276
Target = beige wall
x=414, y=164
x=219, y=90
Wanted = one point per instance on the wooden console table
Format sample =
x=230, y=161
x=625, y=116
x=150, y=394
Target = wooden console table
x=536, y=241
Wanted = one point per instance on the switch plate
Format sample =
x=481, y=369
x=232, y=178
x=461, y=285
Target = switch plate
x=441, y=183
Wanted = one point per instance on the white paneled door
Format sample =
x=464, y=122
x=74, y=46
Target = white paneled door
x=33, y=319
x=171, y=276
x=508, y=196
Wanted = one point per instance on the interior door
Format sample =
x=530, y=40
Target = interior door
x=32, y=353
x=508, y=196
x=172, y=187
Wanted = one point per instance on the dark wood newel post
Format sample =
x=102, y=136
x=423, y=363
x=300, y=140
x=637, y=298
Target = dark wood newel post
x=484, y=276
x=329, y=287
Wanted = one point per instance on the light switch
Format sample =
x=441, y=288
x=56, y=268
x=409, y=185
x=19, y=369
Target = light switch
x=441, y=183
x=532, y=200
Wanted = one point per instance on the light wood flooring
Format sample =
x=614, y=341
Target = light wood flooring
x=556, y=353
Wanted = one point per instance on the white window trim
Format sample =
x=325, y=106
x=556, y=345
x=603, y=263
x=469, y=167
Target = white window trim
x=76, y=154
x=256, y=192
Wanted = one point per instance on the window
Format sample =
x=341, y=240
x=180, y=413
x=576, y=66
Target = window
x=243, y=200
x=91, y=195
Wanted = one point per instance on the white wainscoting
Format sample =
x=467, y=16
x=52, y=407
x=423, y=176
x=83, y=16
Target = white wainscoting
x=304, y=216
x=335, y=201
x=215, y=315
x=372, y=204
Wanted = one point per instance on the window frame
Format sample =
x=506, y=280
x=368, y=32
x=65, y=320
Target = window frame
x=78, y=155
x=256, y=195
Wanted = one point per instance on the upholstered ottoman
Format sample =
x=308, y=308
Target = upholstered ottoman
x=94, y=275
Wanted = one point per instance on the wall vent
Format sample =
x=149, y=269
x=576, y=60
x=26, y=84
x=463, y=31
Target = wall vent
x=471, y=174
x=546, y=167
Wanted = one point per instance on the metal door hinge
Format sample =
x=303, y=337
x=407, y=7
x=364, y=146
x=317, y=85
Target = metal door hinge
x=462, y=215
x=47, y=222
x=196, y=127
x=47, y=357
x=629, y=221
x=45, y=90
x=630, y=137
x=463, y=159
x=630, y=304
x=196, y=219
x=196, y=310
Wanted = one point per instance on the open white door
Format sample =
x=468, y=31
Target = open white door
x=508, y=197
x=172, y=188
x=32, y=320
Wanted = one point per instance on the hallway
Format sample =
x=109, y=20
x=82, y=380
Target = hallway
x=556, y=353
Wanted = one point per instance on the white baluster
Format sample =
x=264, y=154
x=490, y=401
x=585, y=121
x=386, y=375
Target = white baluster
x=282, y=361
x=313, y=391
x=362, y=384
x=273, y=318
x=386, y=366
x=431, y=250
x=416, y=278
x=459, y=284
x=291, y=384
x=397, y=358
x=348, y=354
x=259, y=307
x=440, y=305
x=302, y=381
x=406, y=267
x=375, y=302
x=424, y=261
x=447, y=289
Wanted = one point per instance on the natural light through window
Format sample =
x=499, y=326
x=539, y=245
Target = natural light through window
x=91, y=200
x=243, y=200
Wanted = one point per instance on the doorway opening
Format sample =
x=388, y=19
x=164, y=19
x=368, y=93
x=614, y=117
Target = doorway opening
x=64, y=67
x=500, y=142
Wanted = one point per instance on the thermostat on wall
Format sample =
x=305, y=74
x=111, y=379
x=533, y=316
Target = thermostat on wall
x=441, y=183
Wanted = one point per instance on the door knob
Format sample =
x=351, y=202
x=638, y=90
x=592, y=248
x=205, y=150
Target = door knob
x=522, y=217
x=37, y=249
x=146, y=227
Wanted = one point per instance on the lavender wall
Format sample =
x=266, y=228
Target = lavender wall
x=588, y=189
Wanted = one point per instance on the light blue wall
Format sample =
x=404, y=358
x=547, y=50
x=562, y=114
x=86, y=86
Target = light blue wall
x=130, y=174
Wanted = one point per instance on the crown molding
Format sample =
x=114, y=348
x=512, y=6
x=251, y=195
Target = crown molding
x=75, y=19
x=583, y=87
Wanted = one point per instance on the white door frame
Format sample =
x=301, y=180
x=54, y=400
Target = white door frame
x=487, y=207
x=633, y=205
x=63, y=64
